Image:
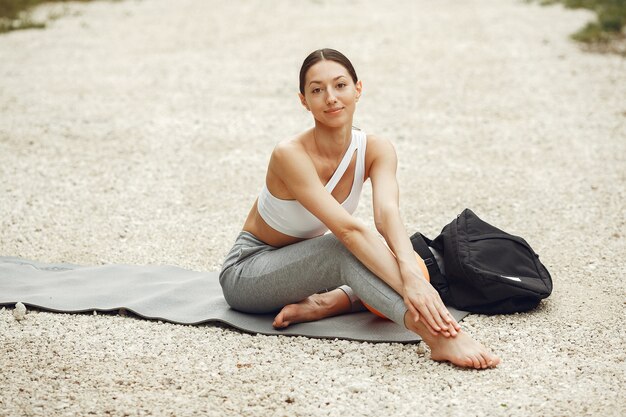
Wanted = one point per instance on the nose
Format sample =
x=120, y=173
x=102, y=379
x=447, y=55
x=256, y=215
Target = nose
x=330, y=97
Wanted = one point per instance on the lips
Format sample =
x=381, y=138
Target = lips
x=333, y=111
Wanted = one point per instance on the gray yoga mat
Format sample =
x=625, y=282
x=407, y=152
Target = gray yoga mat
x=168, y=293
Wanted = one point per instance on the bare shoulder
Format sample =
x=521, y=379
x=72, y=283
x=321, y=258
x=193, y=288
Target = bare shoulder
x=378, y=144
x=290, y=152
x=379, y=148
x=289, y=146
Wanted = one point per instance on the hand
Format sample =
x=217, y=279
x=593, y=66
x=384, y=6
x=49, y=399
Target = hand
x=425, y=304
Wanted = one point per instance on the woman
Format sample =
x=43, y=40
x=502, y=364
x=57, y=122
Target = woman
x=282, y=259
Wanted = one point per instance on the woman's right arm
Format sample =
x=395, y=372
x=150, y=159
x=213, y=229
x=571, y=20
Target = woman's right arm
x=294, y=167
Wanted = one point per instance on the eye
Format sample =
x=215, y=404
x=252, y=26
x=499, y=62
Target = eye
x=316, y=90
x=341, y=85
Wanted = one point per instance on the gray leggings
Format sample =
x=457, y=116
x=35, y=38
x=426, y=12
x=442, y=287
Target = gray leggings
x=259, y=278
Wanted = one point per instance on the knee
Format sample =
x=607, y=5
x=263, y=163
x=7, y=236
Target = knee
x=334, y=247
x=235, y=301
x=349, y=265
x=227, y=280
x=242, y=297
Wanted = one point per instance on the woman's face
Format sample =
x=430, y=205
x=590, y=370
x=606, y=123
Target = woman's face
x=330, y=94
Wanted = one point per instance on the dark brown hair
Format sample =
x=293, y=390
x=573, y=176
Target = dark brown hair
x=325, y=54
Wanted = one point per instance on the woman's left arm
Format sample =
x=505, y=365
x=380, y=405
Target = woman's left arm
x=420, y=297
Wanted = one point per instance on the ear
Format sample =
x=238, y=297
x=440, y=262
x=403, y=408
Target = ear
x=359, y=89
x=303, y=101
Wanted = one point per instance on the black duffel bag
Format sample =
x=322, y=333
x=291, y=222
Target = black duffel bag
x=485, y=270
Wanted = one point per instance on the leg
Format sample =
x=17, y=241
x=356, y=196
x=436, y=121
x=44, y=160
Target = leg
x=461, y=350
x=317, y=307
x=329, y=304
x=274, y=277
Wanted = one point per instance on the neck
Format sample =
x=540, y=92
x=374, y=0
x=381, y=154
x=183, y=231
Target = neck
x=332, y=141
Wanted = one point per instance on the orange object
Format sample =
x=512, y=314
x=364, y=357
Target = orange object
x=424, y=269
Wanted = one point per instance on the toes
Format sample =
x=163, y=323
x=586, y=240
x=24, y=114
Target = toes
x=495, y=361
x=468, y=362
x=475, y=362
x=482, y=360
x=488, y=362
x=479, y=361
x=281, y=325
x=491, y=360
x=279, y=321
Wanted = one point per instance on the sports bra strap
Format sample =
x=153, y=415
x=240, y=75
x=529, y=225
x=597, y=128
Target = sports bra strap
x=342, y=167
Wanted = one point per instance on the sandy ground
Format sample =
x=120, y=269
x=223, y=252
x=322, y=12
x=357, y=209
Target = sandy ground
x=139, y=131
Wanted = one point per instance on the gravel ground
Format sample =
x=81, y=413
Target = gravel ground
x=139, y=132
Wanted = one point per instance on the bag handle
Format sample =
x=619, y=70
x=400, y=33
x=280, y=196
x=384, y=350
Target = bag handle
x=420, y=245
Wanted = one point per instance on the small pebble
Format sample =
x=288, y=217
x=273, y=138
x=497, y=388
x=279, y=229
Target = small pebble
x=357, y=387
x=20, y=311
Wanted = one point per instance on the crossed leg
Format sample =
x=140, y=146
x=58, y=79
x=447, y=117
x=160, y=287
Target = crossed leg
x=460, y=350
x=284, y=278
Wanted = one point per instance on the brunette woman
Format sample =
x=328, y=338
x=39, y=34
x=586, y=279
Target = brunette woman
x=283, y=258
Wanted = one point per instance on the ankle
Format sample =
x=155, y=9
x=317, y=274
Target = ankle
x=334, y=302
x=322, y=302
x=419, y=328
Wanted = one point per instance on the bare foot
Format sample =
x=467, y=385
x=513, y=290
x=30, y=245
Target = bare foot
x=315, y=307
x=463, y=351
x=460, y=350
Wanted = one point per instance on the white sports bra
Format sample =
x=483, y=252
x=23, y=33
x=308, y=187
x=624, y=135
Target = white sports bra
x=291, y=218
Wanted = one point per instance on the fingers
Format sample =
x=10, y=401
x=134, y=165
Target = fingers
x=414, y=312
x=436, y=313
x=421, y=317
x=451, y=320
x=436, y=329
x=452, y=325
x=427, y=318
x=445, y=314
x=428, y=308
x=455, y=324
x=429, y=328
x=436, y=318
x=452, y=331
